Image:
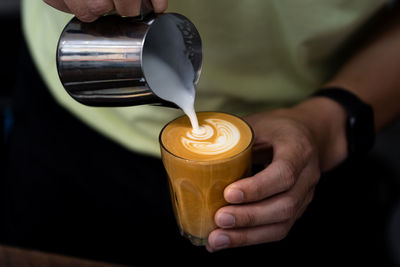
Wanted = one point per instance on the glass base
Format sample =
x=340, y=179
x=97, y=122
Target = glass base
x=197, y=241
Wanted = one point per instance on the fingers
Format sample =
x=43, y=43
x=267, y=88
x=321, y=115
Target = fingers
x=90, y=10
x=273, y=199
x=278, y=177
x=58, y=4
x=291, y=154
x=263, y=221
x=222, y=238
x=159, y=5
x=131, y=8
x=277, y=209
x=128, y=8
x=238, y=237
x=269, y=211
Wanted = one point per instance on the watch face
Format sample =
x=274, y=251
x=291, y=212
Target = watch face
x=360, y=130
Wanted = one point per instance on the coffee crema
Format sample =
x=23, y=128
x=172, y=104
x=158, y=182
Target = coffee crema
x=219, y=136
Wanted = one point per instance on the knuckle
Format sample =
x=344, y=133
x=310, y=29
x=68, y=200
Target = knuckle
x=288, y=208
x=240, y=239
x=159, y=5
x=303, y=137
x=248, y=218
x=129, y=8
x=316, y=177
x=287, y=174
x=306, y=148
x=98, y=7
x=86, y=17
x=258, y=191
x=252, y=189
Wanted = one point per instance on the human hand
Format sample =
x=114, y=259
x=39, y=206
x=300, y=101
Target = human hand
x=90, y=10
x=295, y=143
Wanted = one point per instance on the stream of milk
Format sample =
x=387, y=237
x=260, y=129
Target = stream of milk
x=168, y=69
x=169, y=86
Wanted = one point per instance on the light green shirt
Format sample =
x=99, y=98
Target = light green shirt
x=258, y=55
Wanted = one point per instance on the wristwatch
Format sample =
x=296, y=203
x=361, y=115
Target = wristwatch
x=360, y=131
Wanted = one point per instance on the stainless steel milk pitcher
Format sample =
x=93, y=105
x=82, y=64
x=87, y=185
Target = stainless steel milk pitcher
x=100, y=63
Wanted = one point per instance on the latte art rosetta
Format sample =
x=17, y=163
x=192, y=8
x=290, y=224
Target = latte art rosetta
x=219, y=136
x=214, y=137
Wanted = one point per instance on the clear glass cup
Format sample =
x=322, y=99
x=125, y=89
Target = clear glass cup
x=196, y=188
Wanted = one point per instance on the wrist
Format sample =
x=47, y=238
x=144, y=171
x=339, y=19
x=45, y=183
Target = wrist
x=326, y=120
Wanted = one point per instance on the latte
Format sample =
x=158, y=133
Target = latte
x=219, y=136
x=200, y=164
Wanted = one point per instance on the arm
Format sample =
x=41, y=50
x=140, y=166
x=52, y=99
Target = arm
x=307, y=139
x=373, y=74
x=89, y=10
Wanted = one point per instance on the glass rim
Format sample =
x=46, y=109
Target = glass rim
x=208, y=161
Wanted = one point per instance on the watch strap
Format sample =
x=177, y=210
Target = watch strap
x=360, y=130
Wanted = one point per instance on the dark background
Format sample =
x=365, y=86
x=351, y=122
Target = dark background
x=10, y=46
x=378, y=177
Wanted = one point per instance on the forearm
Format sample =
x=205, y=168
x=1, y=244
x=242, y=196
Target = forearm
x=373, y=73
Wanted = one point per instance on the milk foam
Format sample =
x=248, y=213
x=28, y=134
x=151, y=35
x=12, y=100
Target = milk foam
x=215, y=137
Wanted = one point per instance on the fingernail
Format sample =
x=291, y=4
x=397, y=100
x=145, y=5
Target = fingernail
x=221, y=241
x=235, y=196
x=225, y=220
